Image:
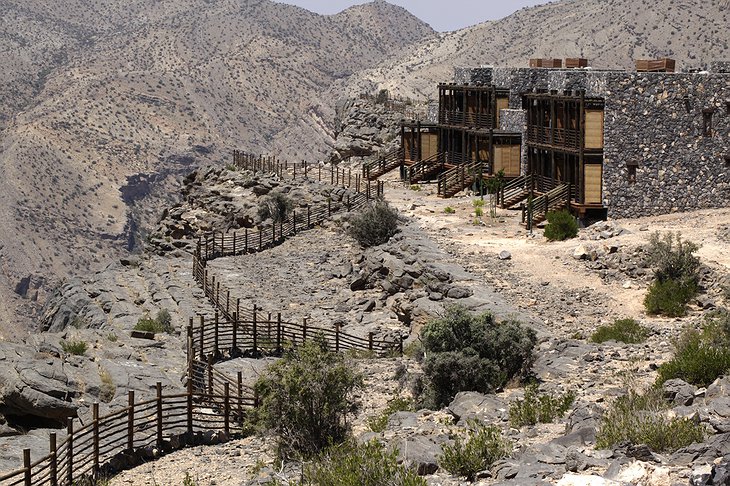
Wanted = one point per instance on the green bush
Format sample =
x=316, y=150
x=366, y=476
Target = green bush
x=670, y=297
x=306, y=397
x=161, y=323
x=375, y=225
x=378, y=423
x=700, y=357
x=466, y=352
x=675, y=274
x=352, y=464
x=449, y=210
x=276, y=206
x=536, y=407
x=76, y=347
x=643, y=419
x=483, y=446
x=622, y=330
x=561, y=226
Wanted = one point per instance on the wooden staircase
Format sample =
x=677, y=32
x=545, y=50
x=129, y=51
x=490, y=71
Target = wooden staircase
x=458, y=178
x=392, y=160
x=515, y=191
x=426, y=170
x=553, y=200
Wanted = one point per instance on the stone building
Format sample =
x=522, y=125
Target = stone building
x=623, y=143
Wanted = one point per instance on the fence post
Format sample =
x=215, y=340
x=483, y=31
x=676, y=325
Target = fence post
x=130, y=421
x=226, y=409
x=234, y=344
x=294, y=220
x=189, y=400
x=305, y=169
x=337, y=338
x=273, y=233
x=370, y=341
x=159, y=416
x=255, y=331
x=329, y=207
x=400, y=346
x=240, y=398
x=215, y=336
x=234, y=242
x=281, y=229
x=70, y=449
x=95, y=415
x=261, y=239
x=228, y=301
x=53, y=468
x=332, y=174
x=238, y=306
x=304, y=331
x=294, y=165
x=202, y=328
x=309, y=215
x=210, y=375
x=278, y=332
x=245, y=240
x=348, y=203
x=349, y=178
x=26, y=466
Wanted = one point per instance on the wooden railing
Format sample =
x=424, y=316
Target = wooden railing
x=125, y=437
x=459, y=178
x=392, y=160
x=426, y=169
x=556, y=137
x=553, y=200
x=466, y=119
x=515, y=191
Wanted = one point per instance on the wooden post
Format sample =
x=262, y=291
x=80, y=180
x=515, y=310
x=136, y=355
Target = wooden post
x=70, y=450
x=255, y=331
x=53, y=467
x=294, y=221
x=189, y=400
x=309, y=217
x=400, y=346
x=329, y=207
x=159, y=416
x=202, y=343
x=281, y=229
x=294, y=165
x=234, y=242
x=349, y=177
x=319, y=173
x=215, y=336
x=210, y=375
x=370, y=341
x=238, y=307
x=234, y=344
x=305, y=169
x=245, y=240
x=26, y=466
x=332, y=175
x=130, y=421
x=261, y=239
x=226, y=409
x=348, y=203
x=228, y=300
x=337, y=338
x=95, y=425
x=240, y=398
x=278, y=332
x=304, y=331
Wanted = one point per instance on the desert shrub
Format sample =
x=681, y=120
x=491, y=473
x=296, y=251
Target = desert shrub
x=477, y=203
x=375, y=225
x=276, y=206
x=482, y=447
x=622, y=330
x=561, y=226
x=449, y=210
x=306, y=397
x=669, y=297
x=76, y=347
x=466, y=352
x=539, y=407
x=108, y=389
x=700, y=357
x=382, y=96
x=643, y=419
x=161, y=323
x=675, y=274
x=415, y=187
x=379, y=422
x=352, y=464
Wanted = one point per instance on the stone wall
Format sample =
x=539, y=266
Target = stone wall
x=653, y=121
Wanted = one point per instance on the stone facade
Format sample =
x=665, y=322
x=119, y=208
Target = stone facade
x=654, y=122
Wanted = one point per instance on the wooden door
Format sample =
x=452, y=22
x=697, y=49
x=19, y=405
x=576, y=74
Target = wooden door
x=593, y=183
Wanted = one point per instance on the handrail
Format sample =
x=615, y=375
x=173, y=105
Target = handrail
x=458, y=178
x=426, y=168
x=514, y=189
x=386, y=163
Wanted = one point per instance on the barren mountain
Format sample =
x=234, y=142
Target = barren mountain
x=610, y=33
x=105, y=101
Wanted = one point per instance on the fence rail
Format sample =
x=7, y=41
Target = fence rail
x=124, y=437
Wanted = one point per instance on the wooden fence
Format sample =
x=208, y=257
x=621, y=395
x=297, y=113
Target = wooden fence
x=142, y=430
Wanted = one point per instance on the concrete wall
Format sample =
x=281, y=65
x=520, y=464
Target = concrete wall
x=653, y=121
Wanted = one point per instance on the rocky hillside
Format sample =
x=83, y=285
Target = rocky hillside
x=610, y=33
x=106, y=102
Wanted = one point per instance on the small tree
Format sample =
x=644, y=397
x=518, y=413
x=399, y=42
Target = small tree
x=306, y=397
x=375, y=225
x=561, y=226
x=494, y=185
x=277, y=206
x=466, y=352
x=675, y=274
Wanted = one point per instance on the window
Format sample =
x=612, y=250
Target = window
x=707, y=122
x=632, y=174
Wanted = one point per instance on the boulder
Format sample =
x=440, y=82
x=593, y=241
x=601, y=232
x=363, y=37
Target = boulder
x=420, y=453
x=467, y=405
x=679, y=392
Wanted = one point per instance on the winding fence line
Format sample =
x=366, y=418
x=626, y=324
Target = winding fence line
x=213, y=401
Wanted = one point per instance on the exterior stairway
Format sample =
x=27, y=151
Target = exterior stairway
x=458, y=178
x=515, y=191
x=392, y=160
x=553, y=200
x=426, y=170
